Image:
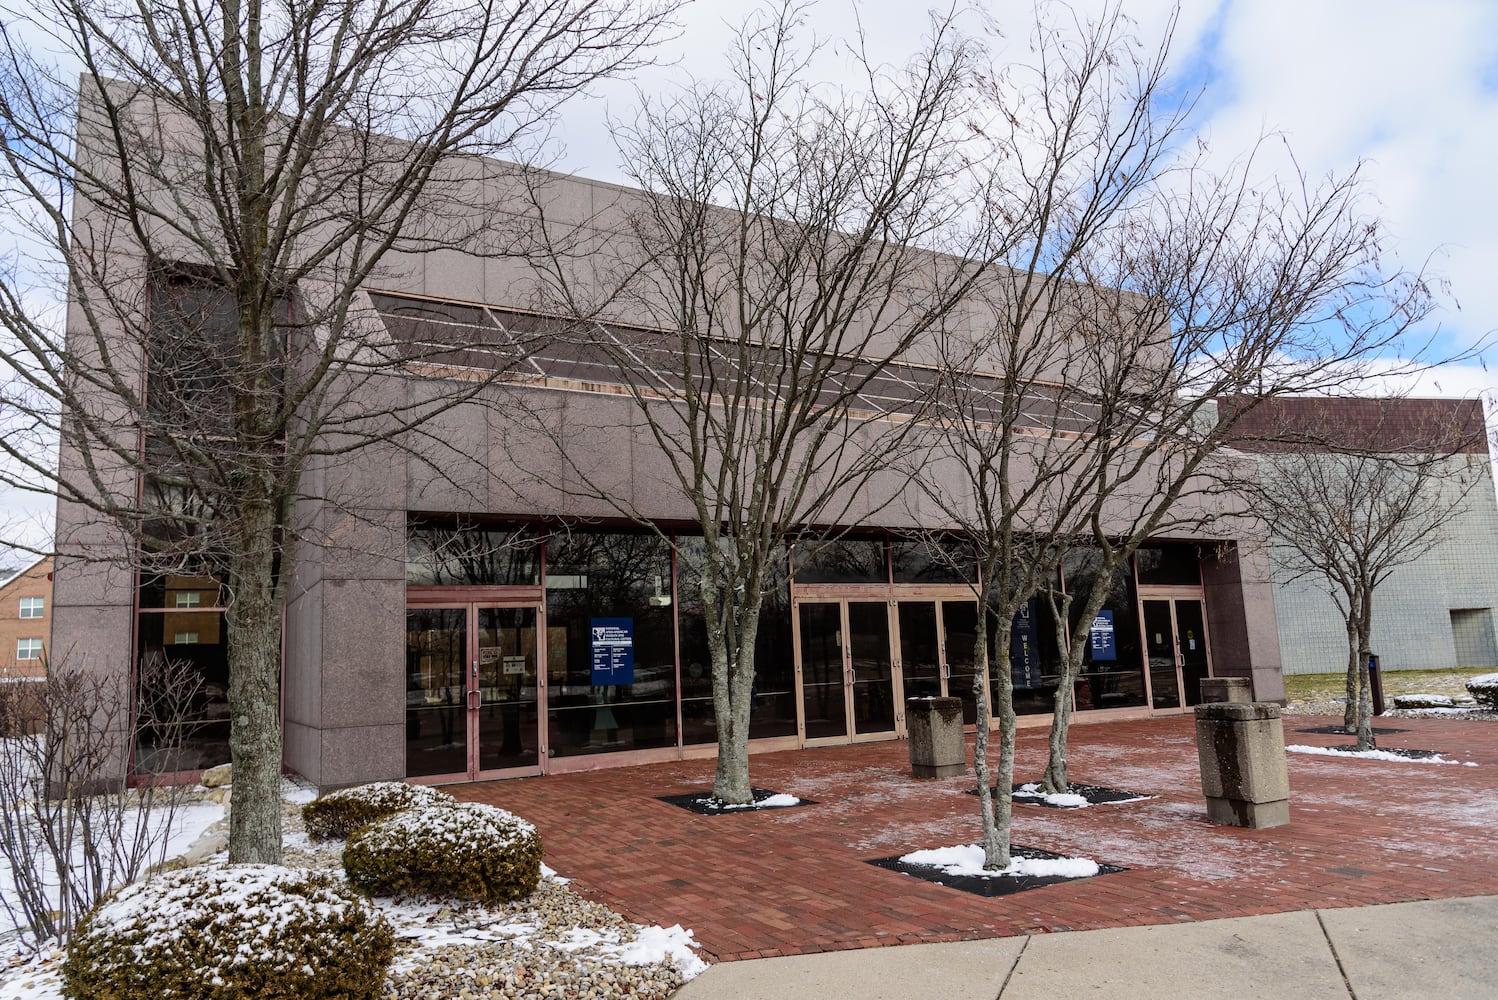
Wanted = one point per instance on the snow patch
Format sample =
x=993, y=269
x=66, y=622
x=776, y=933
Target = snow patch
x=777, y=801
x=1064, y=800
x=967, y=859
x=1368, y=755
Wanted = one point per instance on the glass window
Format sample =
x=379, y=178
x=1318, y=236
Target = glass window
x=32, y=607
x=180, y=592
x=612, y=580
x=473, y=555
x=926, y=560
x=846, y=560
x=773, y=709
x=28, y=649
x=180, y=625
x=1169, y=565
x=1112, y=672
x=1034, y=657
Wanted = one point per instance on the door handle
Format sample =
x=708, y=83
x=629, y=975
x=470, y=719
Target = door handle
x=474, y=706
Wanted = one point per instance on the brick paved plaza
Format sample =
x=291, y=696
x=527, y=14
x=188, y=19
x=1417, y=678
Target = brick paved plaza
x=794, y=881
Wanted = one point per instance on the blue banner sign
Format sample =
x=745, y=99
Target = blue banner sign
x=1024, y=652
x=613, y=652
x=1104, y=645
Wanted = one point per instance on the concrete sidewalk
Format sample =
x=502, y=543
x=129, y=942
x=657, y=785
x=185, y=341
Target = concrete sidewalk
x=1445, y=948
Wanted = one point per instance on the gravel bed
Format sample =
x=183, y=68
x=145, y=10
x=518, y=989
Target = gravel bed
x=552, y=944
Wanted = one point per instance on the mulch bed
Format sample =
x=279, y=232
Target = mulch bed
x=1342, y=731
x=703, y=803
x=999, y=885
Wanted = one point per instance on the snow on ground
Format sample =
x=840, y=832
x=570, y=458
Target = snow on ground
x=967, y=859
x=188, y=824
x=778, y=801
x=1063, y=800
x=424, y=926
x=1371, y=755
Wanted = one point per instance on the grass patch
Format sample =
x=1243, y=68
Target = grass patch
x=1307, y=687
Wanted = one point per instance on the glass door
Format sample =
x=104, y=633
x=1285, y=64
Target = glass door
x=436, y=691
x=847, y=673
x=474, y=692
x=824, y=705
x=1160, y=648
x=1175, y=639
x=506, y=699
x=871, y=679
x=1191, y=643
x=959, y=620
x=938, y=640
x=920, y=650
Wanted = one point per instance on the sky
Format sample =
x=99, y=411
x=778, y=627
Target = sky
x=1410, y=91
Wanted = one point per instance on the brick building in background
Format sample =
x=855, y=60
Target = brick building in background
x=26, y=621
x=1440, y=610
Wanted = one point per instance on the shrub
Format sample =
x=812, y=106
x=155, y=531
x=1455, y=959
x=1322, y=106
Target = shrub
x=231, y=933
x=336, y=815
x=466, y=851
x=1485, y=689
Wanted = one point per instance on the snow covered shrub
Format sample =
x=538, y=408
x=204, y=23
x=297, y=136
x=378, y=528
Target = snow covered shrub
x=465, y=851
x=243, y=932
x=337, y=814
x=1485, y=690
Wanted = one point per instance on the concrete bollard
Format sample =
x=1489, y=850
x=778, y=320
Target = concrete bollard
x=1241, y=748
x=1220, y=689
x=937, y=749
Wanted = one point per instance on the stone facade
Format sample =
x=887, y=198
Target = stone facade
x=1439, y=611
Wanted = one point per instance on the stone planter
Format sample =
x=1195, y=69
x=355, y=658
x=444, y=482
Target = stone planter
x=937, y=749
x=1215, y=690
x=1241, y=748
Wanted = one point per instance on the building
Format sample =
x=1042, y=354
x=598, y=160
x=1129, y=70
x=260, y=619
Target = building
x=1438, y=611
x=26, y=621
x=464, y=614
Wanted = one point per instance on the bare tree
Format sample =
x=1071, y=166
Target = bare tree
x=793, y=245
x=1345, y=518
x=71, y=829
x=214, y=184
x=1140, y=284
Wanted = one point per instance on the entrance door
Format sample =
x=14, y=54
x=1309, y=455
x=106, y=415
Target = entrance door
x=847, y=673
x=937, y=642
x=1175, y=640
x=474, y=692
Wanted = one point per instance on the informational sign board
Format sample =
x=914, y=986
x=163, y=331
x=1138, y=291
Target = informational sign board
x=1103, y=642
x=613, y=652
x=514, y=665
x=1024, y=651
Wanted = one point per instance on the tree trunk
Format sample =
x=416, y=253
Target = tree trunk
x=994, y=803
x=254, y=641
x=1365, y=682
x=733, y=687
x=1350, y=711
x=1055, y=780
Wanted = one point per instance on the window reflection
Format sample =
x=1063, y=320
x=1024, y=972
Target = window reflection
x=1104, y=682
x=472, y=555
x=613, y=575
x=845, y=560
x=773, y=708
x=181, y=621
